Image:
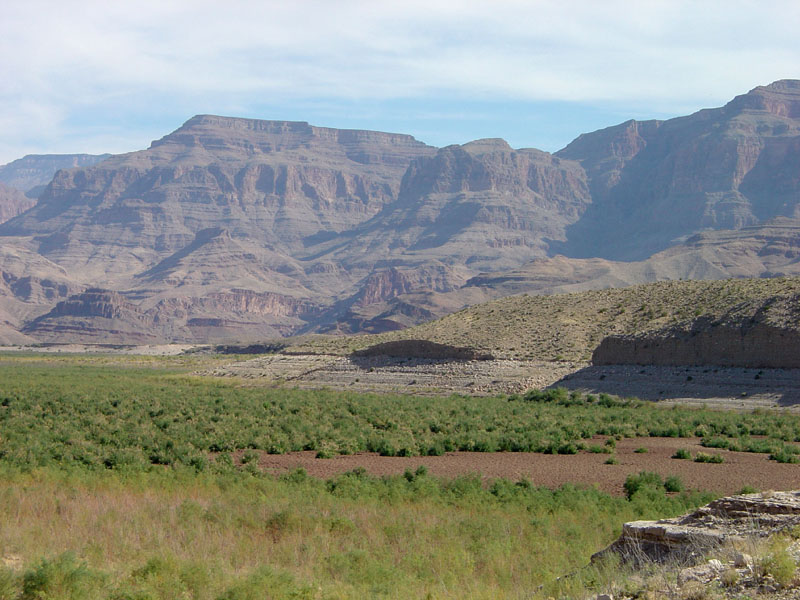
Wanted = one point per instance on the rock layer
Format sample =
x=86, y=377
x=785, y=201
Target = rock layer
x=754, y=336
x=347, y=231
x=734, y=518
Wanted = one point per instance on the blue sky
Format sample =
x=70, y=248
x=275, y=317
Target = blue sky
x=112, y=76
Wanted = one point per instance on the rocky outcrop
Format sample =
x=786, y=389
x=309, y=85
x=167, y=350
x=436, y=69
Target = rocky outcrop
x=687, y=538
x=762, y=335
x=95, y=316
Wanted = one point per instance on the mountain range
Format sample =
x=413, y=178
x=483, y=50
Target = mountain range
x=232, y=229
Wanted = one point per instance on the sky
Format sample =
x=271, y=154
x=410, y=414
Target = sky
x=113, y=76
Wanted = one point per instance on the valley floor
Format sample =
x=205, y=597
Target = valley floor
x=739, y=469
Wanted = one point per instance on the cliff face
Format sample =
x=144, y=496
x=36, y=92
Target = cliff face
x=722, y=168
x=241, y=227
x=274, y=182
x=483, y=206
x=764, y=335
x=12, y=203
x=33, y=172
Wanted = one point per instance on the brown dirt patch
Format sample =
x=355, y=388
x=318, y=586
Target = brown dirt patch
x=738, y=470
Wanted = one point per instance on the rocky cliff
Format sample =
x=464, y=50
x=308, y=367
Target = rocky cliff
x=656, y=182
x=33, y=172
x=343, y=230
x=753, y=334
x=13, y=202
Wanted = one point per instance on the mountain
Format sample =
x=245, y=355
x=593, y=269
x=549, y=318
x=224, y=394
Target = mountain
x=33, y=172
x=241, y=229
x=656, y=183
x=12, y=202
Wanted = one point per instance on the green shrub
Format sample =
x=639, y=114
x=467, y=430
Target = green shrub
x=683, y=454
x=63, y=577
x=641, y=481
x=597, y=449
x=784, y=456
x=779, y=563
x=673, y=483
x=641, y=450
x=703, y=457
x=612, y=460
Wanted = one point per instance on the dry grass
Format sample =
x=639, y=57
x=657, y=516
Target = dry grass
x=195, y=537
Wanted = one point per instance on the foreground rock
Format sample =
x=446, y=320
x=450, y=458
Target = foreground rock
x=690, y=537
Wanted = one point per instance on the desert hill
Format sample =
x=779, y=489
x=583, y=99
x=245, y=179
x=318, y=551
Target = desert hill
x=569, y=327
x=241, y=230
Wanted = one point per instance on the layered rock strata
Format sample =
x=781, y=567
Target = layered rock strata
x=723, y=521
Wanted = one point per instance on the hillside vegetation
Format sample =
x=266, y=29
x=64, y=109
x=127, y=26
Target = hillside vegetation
x=570, y=326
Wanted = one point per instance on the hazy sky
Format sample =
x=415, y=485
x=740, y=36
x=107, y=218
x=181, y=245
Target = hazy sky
x=112, y=76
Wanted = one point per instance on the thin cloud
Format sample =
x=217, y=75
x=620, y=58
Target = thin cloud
x=62, y=61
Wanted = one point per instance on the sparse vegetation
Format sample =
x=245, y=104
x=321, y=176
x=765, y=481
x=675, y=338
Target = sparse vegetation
x=178, y=534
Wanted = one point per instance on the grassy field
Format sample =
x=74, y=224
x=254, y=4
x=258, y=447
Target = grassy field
x=63, y=412
x=117, y=482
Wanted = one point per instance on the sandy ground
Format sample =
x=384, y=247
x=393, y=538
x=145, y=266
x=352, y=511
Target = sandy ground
x=738, y=470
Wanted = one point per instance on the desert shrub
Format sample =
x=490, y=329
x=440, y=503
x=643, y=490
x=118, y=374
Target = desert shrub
x=641, y=450
x=644, y=479
x=778, y=563
x=784, y=457
x=673, y=483
x=597, y=449
x=62, y=577
x=716, y=442
x=703, y=457
x=612, y=460
x=147, y=419
x=683, y=454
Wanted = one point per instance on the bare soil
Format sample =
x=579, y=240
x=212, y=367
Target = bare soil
x=738, y=470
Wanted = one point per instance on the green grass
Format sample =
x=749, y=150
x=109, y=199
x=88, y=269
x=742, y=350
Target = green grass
x=63, y=413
